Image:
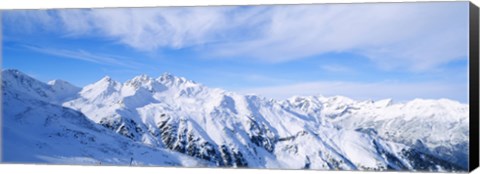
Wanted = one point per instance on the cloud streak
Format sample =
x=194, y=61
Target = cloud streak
x=85, y=56
x=409, y=36
x=394, y=36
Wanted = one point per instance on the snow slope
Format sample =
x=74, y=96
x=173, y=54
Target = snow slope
x=437, y=127
x=194, y=125
x=37, y=130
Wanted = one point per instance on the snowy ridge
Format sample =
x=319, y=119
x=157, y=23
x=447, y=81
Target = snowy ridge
x=63, y=90
x=176, y=116
x=61, y=135
x=446, y=122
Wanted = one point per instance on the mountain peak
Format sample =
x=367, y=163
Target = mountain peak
x=142, y=77
x=140, y=80
x=214, y=121
x=24, y=84
x=166, y=77
x=169, y=79
x=105, y=83
x=166, y=74
x=15, y=73
x=20, y=77
x=106, y=79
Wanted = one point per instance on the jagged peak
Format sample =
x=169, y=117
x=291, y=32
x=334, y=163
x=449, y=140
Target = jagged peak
x=11, y=71
x=298, y=98
x=169, y=79
x=143, y=78
x=15, y=72
x=21, y=77
x=166, y=74
x=106, y=78
x=105, y=81
x=57, y=83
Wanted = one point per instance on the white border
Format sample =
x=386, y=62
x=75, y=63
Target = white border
x=48, y=4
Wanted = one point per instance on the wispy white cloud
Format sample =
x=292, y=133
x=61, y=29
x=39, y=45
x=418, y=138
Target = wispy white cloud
x=410, y=36
x=415, y=36
x=364, y=91
x=144, y=29
x=85, y=56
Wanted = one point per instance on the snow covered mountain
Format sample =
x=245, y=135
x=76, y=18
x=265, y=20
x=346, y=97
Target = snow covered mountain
x=171, y=120
x=37, y=129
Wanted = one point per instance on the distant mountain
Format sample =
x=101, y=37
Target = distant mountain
x=173, y=121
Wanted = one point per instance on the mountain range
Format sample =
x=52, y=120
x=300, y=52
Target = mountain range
x=173, y=121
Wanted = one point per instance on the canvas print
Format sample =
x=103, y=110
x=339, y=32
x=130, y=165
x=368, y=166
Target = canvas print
x=369, y=86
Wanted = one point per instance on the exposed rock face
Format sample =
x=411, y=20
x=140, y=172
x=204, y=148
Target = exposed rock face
x=172, y=116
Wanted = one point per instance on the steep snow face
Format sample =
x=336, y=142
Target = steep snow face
x=221, y=128
x=19, y=83
x=104, y=89
x=36, y=130
x=56, y=91
x=439, y=127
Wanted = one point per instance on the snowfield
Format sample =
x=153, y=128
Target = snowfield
x=173, y=121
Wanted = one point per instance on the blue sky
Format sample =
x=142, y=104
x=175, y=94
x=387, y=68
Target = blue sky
x=363, y=51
